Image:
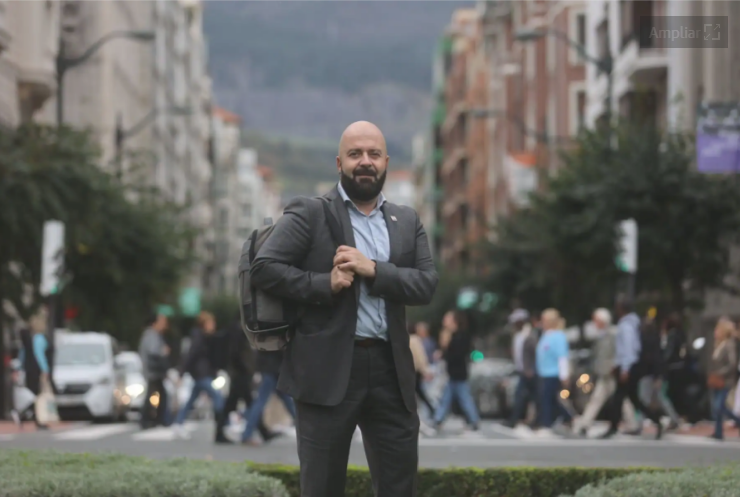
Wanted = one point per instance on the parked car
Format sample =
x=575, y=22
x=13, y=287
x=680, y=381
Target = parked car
x=90, y=384
x=492, y=384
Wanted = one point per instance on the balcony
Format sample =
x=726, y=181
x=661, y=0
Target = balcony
x=643, y=58
x=33, y=50
x=449, y=165
x=5, y=37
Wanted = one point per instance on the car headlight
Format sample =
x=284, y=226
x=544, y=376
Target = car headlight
x=219, y=383
x=134, y=390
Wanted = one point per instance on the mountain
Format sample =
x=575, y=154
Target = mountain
x=306, y=69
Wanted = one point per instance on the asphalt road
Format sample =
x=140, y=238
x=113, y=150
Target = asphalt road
x=493, y=446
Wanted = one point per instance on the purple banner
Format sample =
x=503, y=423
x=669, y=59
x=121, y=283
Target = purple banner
x=718, y=138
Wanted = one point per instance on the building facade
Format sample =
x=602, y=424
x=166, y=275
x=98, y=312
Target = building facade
x=29, y=34
x=227, y=242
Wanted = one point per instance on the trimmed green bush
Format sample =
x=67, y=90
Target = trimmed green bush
x=469, y=482
x=53, y=474
x=719, y=481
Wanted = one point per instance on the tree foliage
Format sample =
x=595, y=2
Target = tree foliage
x=560, y=251
x=126, y=248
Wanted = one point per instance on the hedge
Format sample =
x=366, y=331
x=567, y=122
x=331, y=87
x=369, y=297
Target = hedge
x=53, y=474
x=470, y=482
x=720, y=481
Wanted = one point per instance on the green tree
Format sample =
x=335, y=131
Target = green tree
x=126, y=248
x=560, y=251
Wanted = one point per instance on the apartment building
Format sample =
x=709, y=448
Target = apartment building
x=399, y=187
x=463, y=141
x=29, y=33
x=228, y=242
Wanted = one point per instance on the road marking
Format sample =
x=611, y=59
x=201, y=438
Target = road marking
x=162, y=433
x=667, y=442
x=93, y=432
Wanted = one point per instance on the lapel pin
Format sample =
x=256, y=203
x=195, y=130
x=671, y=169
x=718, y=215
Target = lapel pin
x=393, y=218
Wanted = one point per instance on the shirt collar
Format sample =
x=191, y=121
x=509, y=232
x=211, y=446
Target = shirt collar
x=345, y=197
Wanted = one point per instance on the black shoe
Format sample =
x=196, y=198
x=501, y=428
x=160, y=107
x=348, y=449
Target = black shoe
x=583, y=432
x=270, y=435
x=659, y=431
x=220, y=438
x=633, y=433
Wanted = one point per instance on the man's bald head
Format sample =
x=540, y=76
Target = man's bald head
x=362, y=161
x=360, y=130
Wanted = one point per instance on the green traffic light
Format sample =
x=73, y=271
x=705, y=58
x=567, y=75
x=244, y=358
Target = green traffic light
x=476, y=355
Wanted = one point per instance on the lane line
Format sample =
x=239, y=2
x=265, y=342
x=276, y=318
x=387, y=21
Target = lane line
x=93, y=432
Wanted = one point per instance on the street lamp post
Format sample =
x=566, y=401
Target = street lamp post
x=121, y=134
x=604, y=64
x=64, y=64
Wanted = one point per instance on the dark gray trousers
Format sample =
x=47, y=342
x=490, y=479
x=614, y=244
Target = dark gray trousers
x=390, y=432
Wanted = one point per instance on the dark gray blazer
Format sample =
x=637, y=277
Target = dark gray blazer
x=296, y=262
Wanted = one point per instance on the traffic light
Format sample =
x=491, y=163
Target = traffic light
x=476, y=356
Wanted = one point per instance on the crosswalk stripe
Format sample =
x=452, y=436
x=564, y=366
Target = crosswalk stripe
x=93, y=432
x=160, y=434
x=6, y=438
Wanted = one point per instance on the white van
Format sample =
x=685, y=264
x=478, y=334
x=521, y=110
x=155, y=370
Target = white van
x=89, y=382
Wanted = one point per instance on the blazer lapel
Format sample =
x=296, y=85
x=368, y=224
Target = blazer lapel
x=394, y=235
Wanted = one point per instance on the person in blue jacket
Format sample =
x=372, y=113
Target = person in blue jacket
x=553, y=368
x=36, y=355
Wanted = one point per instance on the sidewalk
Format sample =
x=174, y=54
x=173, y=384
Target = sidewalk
x=701, y=429
x=10, y=428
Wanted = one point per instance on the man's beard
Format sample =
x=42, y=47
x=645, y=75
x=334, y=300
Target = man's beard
x=359, y=187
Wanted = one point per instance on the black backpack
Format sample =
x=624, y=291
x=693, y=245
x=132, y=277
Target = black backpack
x=269, y=321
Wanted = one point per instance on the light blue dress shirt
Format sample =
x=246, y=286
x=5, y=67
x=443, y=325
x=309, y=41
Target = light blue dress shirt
x=371, y=239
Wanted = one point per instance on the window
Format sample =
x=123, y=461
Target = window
x=80, y=354
x=577, y=102
x=577, y=30
x=464, y=172
x=223, y=217
x=581, y=28
x=581, y=110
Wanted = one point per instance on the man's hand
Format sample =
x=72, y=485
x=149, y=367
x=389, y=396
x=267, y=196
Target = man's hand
x=351, y=259
x=340, y=279
x=428, y=376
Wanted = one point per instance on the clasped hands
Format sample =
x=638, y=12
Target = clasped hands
x=348, y=263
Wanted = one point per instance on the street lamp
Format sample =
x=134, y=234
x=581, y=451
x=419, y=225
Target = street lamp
x=541, y=137
x=604, y=64
x=122, y=134
x=63, y=64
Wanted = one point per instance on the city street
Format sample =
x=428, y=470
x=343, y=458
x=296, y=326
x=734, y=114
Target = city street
x=494, y=446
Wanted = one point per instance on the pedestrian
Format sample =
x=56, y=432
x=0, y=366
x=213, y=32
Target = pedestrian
x=524, y=353
x=455, y=343
x=553, y=369
x=155, y=359
x=268, y=366
x=36, y=357
x=421, y=365
x=673, y=346
x=422, y=331
x=651, y=365
x=241, y=366
x=722, y=374
x=349, y=361
x=629, y=370
x=199, y=365
x=604, y=352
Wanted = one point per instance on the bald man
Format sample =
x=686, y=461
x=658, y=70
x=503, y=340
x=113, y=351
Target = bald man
x=349, y=363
